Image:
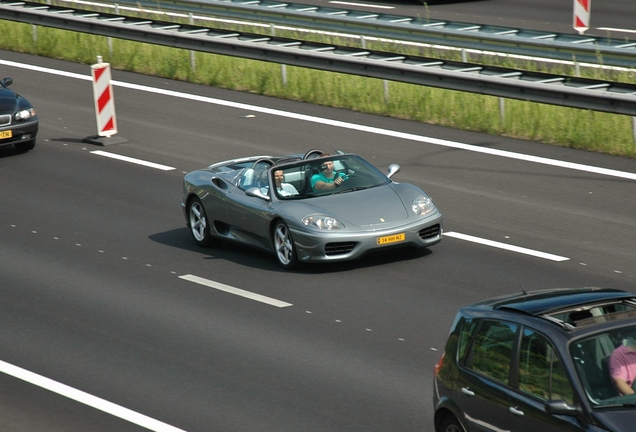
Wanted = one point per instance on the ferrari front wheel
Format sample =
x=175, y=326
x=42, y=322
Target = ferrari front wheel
x=198, y=223
x=284, y=246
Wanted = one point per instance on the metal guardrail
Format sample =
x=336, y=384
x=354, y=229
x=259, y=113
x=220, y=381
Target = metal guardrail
x=559, y=46
x=544, y=88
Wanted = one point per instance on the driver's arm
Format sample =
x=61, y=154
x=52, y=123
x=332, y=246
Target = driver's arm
x=623, y=387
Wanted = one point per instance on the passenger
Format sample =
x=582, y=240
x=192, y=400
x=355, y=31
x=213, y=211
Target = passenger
x=622, y=365
x=283, y=189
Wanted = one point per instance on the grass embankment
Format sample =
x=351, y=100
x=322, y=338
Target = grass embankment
x=593, y=131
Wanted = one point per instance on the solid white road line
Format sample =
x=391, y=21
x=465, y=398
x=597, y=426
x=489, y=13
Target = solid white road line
x=505, y=246
x=133, y=160
x=385, y=132
x=235, y=291
x=87, y=399
x=352, y=126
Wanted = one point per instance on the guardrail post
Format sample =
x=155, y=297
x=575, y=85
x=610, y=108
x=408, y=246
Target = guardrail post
x=193, y=65
x=386, y=92
x=283, y=71
x=34, y=32
x=502, y=110
x=634, y=130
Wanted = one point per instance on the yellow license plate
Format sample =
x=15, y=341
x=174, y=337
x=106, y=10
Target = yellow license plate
x=395, y=238
x=5, y=134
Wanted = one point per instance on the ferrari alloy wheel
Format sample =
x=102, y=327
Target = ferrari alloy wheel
x=198, y=222
x=284, y=246
x=451, y=424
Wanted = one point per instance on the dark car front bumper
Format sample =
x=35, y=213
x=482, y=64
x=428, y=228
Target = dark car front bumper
x=18, y=132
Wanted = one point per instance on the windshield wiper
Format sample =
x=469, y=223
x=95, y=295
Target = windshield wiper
x=351, y=189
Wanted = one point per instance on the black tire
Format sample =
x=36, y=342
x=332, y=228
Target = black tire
x=284, y=246
x=25, y=146
x=451, y=424
x=199, y=223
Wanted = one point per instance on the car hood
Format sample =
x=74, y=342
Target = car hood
x=8, y=101
x=374, y=206
x=619, y=420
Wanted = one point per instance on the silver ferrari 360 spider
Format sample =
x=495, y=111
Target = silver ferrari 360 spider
x=308, y=208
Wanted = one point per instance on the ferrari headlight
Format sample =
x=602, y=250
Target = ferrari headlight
x=25, y=114
x=322, y=222
x=422, y=205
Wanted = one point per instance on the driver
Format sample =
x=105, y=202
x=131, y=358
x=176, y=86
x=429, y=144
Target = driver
x=326, y=178
x=622, y=364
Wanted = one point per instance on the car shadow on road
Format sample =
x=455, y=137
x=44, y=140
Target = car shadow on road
x=259, y=259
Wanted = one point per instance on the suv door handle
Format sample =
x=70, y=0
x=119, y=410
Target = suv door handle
x=468, y=392
x=515, y=411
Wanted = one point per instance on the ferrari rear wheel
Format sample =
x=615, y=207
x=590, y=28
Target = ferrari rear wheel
x=199, y=224
x=284, y=246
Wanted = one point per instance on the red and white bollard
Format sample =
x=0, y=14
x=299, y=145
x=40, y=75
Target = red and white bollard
x=104, y=99
x=582, y=10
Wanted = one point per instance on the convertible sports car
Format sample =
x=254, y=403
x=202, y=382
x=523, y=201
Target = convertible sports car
x=275, y=203
x=18, y=122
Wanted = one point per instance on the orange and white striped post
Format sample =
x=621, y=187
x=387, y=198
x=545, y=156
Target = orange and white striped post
x=582, y=11
x=104, y=99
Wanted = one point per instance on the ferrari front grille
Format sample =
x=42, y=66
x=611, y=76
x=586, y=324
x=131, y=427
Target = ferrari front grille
x=342, y=248
x=430, y=232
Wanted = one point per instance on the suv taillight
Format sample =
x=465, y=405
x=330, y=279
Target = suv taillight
x=438, y=365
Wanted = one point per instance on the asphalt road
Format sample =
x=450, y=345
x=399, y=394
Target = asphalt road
x=93, y=251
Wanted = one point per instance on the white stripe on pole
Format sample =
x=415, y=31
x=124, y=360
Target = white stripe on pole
x=582, y=11
x=104, y=99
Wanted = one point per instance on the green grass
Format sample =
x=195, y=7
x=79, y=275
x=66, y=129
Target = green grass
x=593, y=131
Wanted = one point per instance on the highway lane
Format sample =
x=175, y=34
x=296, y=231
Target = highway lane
x=92, y=249
x=613, y=17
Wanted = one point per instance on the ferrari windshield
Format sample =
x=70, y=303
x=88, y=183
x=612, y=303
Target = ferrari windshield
x=325, y=176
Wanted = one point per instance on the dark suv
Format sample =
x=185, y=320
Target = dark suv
x=537, y=362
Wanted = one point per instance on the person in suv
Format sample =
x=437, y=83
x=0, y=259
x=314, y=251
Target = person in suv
x=536, y=361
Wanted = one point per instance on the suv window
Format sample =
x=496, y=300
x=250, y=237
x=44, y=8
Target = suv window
x=541, y=372
x=492, y=349
x=591, y=357
x=467, y=330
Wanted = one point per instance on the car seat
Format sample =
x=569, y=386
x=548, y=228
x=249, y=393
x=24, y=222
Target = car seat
x=310, y=171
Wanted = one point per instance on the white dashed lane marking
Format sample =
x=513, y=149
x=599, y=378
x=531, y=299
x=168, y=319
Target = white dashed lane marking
x=133, y=160
x=236, y=291
x=505, y=246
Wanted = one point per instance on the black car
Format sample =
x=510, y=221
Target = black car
x=538, y=361
x=18, y=121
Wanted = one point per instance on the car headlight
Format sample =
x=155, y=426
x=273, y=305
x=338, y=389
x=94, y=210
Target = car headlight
x=25, y=114
x=322, y=222
x=422, y=205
